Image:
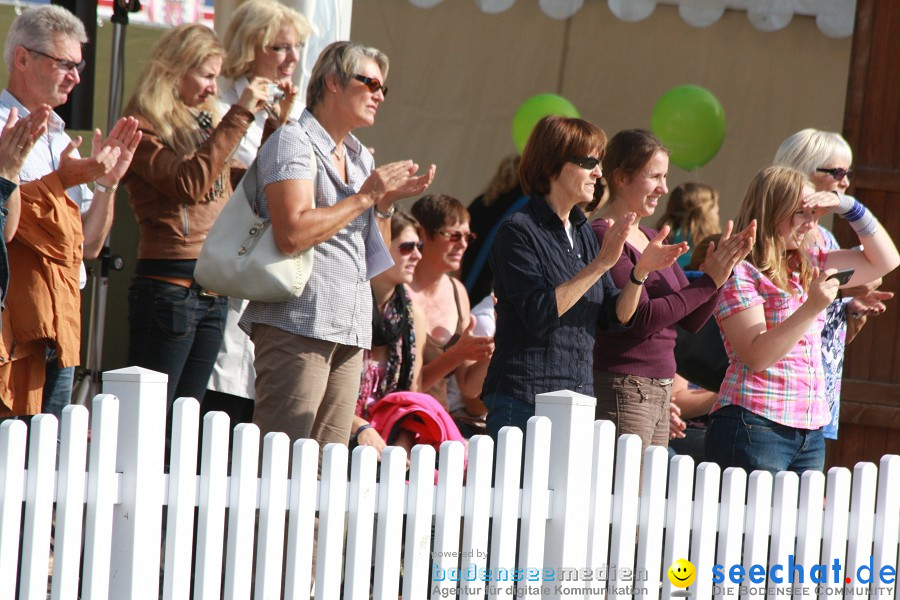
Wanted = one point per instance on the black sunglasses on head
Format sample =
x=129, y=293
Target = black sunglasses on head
x=586, y=162
x=373, y=84
x=837, y=172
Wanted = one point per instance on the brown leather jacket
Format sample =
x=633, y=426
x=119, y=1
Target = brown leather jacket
x=176, y=199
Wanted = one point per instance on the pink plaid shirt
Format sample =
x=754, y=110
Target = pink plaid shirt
x=792, y=391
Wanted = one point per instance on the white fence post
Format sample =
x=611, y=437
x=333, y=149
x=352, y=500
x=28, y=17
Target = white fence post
x=137, y=518
x=572, y=418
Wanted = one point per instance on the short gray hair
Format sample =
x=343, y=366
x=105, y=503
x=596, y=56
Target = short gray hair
x=36, y=27
x=809, y=149
x=343, y=59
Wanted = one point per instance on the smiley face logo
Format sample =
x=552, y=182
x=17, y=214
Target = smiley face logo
x=682, y=573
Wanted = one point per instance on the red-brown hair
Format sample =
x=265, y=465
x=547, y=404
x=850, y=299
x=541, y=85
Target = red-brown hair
x=553, y=142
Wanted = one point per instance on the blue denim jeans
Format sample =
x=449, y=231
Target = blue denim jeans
x=737, y=437
x=177, y=331
x=57, y=386
x=506, y=410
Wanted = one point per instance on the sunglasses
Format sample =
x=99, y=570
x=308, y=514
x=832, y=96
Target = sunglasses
x=457, y=236
x=406, y=248
x=373, y=84
x=62, y=63
x=586, y=162
x=838, y=173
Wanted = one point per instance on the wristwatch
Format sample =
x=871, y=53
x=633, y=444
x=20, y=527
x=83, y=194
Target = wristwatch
x=385, y=215
x=635, y=280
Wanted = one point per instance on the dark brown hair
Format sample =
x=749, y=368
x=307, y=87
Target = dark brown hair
x=400, y=221
x=435, y=210
x=627, y=152
x=553, y=142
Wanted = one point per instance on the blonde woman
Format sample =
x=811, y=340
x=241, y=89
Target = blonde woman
x=178, y=182
x=692, y=214
x=264, y=39
x=771, y=406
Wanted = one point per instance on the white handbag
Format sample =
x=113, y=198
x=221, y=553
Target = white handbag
x=239, y=257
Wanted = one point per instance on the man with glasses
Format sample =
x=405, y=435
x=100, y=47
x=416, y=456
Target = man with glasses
x=43, y=58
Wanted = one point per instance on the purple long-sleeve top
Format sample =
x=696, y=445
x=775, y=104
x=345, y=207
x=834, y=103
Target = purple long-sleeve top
x=667, y=299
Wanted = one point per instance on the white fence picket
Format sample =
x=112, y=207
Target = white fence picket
x=784, y=531
x=213, y=490
x=862, y=522
x=505, y=509
x=332, y=508
x=39, y=496
x=12, y=494
x=646, y=576
x=704, y=521
x=600, y=507
x=102, y=494
x=447, y=519
x=535, y=503
x=756, y=533
x=272, y=511
x=887, y=521
x=241, y=512
x=419, y=505
x=476, y=517
x=835, y=527
x=361, y=522
x=182, y=499
x=69, y=503
x=388, y=538
x=625, y=514
x=731, y=526
x=809, y=534
x=678, y=516
x=302, y=520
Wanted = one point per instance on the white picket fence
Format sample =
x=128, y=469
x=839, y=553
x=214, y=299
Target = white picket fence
x=570, y=528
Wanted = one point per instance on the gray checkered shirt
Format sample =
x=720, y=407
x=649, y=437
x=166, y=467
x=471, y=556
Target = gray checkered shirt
x=336, y=305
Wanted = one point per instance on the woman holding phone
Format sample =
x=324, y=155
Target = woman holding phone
x=771, y=407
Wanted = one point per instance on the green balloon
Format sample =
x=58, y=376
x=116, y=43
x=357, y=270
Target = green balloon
x=533, y=110
x=690, y=121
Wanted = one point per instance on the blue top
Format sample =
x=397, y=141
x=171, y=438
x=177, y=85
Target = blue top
x=536, y=350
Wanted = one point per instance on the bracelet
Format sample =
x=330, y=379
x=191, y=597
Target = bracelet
x=109, y=189
x=361, y=429
x=635, y=280
x=860, y=219
x=385, y=215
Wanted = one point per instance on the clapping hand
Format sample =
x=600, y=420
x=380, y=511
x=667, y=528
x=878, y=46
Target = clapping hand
x=732, y=249
x=125, y=136
x=614, y=241
x=18, y=137
x=391, y=182
x=658, y=254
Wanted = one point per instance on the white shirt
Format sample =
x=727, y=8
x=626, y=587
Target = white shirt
x=44, y=157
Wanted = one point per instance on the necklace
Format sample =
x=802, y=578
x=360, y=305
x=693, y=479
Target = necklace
x=338, y=154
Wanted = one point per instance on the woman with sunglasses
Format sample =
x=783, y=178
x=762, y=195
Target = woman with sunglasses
x=633, y=369
x=264, y=39
x=825, y=158
x=771, y=407
x=451, y=348
x=178, y=182
x=319, y=186
x=390, y=408
x=550, y=275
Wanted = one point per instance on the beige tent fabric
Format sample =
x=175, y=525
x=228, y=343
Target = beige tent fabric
x=458, y=75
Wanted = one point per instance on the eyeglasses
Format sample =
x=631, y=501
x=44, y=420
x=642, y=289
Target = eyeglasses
x=838, y=173
x=457, y=236
x=373, y=84
x=285, y=48
x=406, y=248
x=586, y=162
x=62, y=63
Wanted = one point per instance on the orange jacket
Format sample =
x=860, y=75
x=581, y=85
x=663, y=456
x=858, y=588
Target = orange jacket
x=43, y=305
